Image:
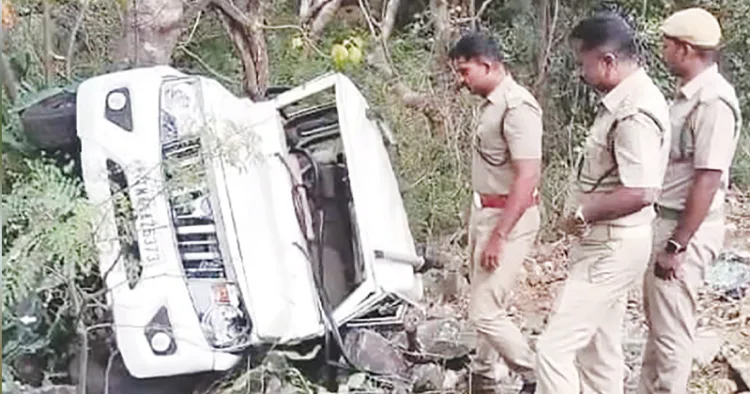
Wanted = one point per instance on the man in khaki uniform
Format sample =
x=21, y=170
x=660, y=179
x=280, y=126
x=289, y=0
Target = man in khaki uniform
x=689, y=230
x=506, y=166
x=617, y=180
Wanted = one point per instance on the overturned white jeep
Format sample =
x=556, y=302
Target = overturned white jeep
x=226, y=223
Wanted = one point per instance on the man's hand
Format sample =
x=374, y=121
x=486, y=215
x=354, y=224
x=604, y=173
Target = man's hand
x=492, y=252
x=669, y=265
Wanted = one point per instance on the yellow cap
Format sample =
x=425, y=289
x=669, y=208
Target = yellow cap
x=694, y=26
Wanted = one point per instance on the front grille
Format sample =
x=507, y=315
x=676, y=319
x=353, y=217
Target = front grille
x=195, y=228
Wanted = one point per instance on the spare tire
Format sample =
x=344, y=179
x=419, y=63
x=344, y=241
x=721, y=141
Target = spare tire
x=51, y=123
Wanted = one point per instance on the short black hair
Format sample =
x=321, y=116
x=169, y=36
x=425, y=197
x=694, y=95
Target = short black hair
x=474, y=45
x=606, y=30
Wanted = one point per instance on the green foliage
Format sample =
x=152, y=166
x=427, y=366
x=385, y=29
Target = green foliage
x=47, y=250
x=47, y=231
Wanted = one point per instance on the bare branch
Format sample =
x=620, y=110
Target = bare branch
x=482, y=9
x=389, y=18
x=547, y=31
x=47, y=31
x=73, y=34
x=205, y=65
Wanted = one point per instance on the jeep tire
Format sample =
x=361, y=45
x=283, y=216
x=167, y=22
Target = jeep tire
x=51, y=123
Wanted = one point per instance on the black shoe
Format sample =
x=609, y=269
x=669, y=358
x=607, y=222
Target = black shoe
x=529, y=386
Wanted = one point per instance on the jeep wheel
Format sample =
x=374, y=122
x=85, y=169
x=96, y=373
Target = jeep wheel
x=51, y=123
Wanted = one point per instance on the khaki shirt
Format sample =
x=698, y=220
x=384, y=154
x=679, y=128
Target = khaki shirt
x=627, y=145
x=510, y=127
x=706, y=121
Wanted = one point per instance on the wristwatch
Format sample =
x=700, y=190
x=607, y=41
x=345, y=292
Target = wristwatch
x=578, y=216
x=674, y=247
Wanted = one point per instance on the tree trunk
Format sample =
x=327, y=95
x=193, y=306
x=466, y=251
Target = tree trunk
x=151, y=29
x=243, y=22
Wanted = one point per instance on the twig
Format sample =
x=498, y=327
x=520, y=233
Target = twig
x=305, y=36
x=192, y=31
x=107, y=372
x=47, y=31
x=368, y=17
x=73, y=34
x=208, y=68
x=482, y=9
x=382, y=38
x=543, y=66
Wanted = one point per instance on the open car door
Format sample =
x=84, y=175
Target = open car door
x=386, y=246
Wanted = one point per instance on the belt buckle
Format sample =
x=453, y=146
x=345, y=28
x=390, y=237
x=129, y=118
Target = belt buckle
x=477, y=200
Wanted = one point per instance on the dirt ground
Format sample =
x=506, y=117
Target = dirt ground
x=724, y=318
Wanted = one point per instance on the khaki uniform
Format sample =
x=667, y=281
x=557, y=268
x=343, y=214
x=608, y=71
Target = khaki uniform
x=627, y=145
x=510, y=128
x=706, y=121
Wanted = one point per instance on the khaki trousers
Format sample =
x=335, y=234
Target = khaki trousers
x=581, y=350
x=490, y=291
x=671, y=308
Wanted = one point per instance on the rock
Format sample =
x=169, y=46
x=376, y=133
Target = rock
x=443, y=311
x=427, y=377
x=371, y=351
x=745, y=311
x=432, y=283
x=444, y=285
x=273, y=385
x=451, y=379
x=441, y=339
x=730, y=273
x=275, y=362
x=706, y=346
x=739, y=365
x=725, y=386
x=357, y=381
x=454, y=285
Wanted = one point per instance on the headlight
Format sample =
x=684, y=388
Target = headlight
x=224, y=323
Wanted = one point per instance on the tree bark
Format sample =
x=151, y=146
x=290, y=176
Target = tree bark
x=151, y=29
x=244, y=25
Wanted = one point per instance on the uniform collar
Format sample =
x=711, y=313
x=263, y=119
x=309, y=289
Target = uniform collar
x=625, y=88
x=694, y=85
x=496, y=96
